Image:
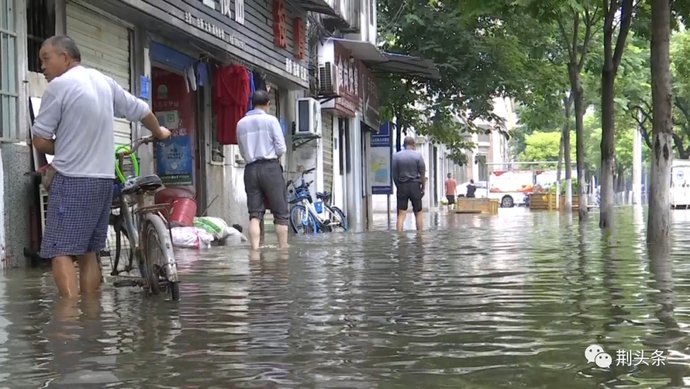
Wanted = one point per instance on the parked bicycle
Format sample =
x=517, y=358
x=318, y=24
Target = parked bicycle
x=145, y=226
x=308, y=216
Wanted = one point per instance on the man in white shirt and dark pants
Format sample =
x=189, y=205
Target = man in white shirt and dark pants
x=262, y=143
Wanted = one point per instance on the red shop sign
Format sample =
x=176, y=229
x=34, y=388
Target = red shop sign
x=279, y=24
x=298, y=37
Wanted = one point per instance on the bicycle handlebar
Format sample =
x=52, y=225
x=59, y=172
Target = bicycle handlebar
x=308, y=171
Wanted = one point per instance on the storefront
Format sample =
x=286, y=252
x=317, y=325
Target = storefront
x=349, y=114
x=350, y=110
x=173, y=55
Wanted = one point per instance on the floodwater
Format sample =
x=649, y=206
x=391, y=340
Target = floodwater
x=474, y=302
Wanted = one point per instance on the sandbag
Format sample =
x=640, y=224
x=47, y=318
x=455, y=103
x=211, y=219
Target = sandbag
x=191, y=237
x=214, y=225
x=233, y=237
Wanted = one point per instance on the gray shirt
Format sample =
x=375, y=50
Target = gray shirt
x=78, y=109
x=260, y=136
x=408, y=166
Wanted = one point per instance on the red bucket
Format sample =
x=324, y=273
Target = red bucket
x=170, y=194
x=182, y=212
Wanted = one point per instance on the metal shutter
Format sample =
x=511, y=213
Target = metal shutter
x=104, y=45
x=327, y=136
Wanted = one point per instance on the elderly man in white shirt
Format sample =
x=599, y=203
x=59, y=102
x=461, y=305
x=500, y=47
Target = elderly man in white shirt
x=75, y=124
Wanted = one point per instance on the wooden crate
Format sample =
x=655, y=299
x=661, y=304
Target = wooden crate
x=475, y=205
x=547, y=201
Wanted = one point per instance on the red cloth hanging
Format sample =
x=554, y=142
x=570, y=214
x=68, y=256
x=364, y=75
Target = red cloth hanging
x=230, y=100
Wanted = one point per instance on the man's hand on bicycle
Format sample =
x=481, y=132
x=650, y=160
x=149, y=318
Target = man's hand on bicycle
x=162, y=133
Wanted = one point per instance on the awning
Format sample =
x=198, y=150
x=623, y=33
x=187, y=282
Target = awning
x=405, y=64
x=363, y=51
x=383, y=62
x=318, y=6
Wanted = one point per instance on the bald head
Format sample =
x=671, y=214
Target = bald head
x=409, y=142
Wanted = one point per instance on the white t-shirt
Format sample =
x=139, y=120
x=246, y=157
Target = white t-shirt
x=78, y=107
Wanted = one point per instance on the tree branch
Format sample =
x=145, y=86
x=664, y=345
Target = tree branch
x=634, y=109
x=576, y=31
x=683, y=109
x=571, y=50
x=626, y=21
x=678, y=142
x=585, y=42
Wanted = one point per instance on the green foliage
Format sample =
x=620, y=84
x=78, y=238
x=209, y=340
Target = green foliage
x=478, y=59
x=544, y=146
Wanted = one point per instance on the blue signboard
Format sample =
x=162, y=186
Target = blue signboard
x=174, y=160
x=381, y=159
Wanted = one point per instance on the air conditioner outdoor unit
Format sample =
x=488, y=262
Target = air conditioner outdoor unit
x=328, y=79
x=308, y=117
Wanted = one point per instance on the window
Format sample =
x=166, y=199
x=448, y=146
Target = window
x=40, y=25
x=482, y=168
x=8, y=71
x=484, y=137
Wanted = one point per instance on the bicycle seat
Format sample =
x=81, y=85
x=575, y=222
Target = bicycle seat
x=323, y=195
x=141, y=184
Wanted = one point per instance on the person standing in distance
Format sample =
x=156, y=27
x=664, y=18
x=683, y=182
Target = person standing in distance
x=262, y=143
x=75, y=124
x=450, y=189
x=471, y=188
x=408, y=172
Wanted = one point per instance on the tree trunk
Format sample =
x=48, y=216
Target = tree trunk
x=658, y=223
x=560, y=160
x=568, y=163
x=608, y=129
x=577, y=93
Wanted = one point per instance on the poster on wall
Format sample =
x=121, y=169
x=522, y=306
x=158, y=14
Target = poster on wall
x=174, y=160
x=174, y=108
x=381, y=157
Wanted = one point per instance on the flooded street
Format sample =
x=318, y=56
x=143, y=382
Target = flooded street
x=474, y=302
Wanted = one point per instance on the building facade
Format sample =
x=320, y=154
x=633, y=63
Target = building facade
x=347, y=153
x=167, y=53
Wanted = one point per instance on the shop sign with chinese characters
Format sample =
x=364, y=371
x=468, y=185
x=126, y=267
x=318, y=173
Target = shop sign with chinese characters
x=296, y=69
x=213, y=29
x=356, y=87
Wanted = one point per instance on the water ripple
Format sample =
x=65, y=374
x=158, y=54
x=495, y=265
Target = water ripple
x=474, y=302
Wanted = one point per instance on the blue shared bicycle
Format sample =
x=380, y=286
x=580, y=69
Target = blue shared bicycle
x=311, y=217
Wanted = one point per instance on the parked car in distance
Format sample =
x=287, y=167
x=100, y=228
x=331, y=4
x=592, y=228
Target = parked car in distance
x=481, y=192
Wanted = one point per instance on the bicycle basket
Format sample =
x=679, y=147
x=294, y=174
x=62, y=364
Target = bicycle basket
x=298, y=194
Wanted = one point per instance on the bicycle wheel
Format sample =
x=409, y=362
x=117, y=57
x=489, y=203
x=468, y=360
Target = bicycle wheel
x=301, y=221
x=337, y=219
x=157, y=250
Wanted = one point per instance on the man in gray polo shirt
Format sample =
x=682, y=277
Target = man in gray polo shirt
x=75, y=124
x=408, y=172
x=261, y=143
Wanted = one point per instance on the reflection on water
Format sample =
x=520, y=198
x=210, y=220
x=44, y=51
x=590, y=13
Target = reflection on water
x=475, y=301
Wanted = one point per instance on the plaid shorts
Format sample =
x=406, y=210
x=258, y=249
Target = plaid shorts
x=77, y=218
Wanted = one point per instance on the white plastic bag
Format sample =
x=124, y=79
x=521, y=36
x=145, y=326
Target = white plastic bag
x=191, y=237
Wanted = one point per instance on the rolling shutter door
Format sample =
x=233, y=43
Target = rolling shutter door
x=327, y=138
x=104, y=45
